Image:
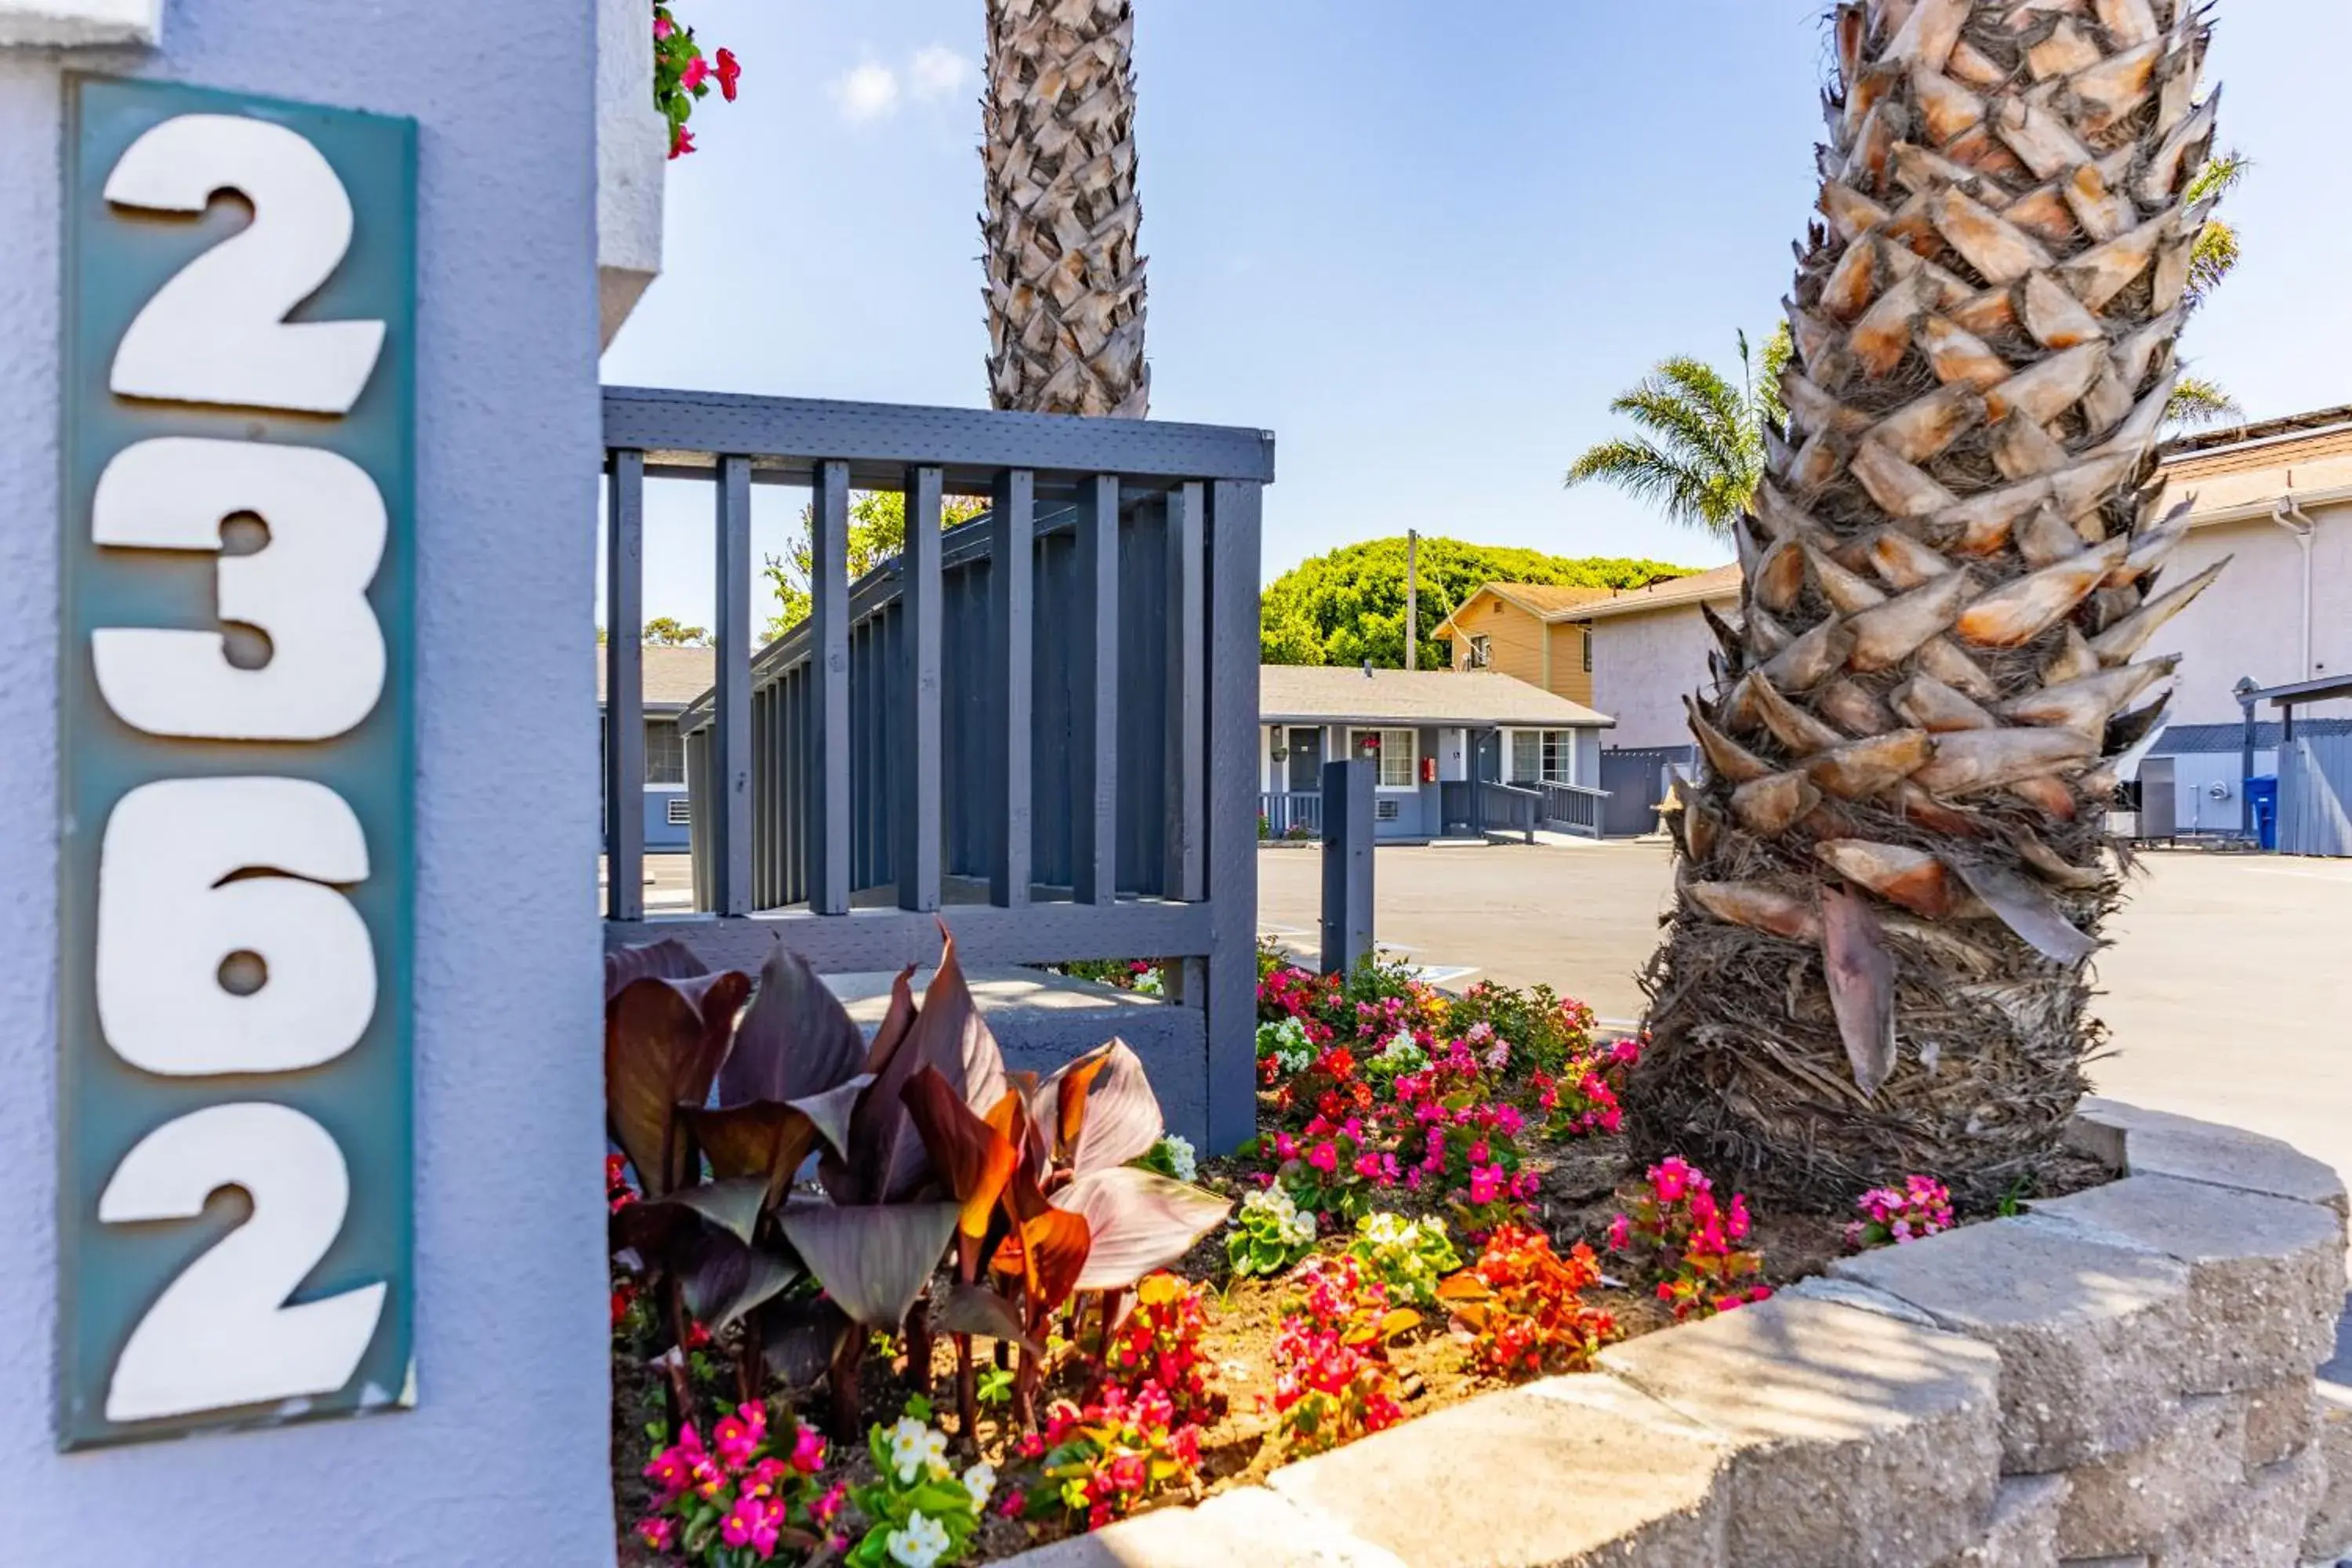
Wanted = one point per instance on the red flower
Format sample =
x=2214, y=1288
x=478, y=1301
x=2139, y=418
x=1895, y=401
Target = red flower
x=681, y=144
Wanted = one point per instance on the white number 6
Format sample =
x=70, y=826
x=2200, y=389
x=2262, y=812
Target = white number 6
x=221, y=1335
x=217, y=332
x=173, y=906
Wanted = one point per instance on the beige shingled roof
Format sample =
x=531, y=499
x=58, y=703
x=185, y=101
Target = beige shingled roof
x=1716, y=587
x=1301, y=694
x=674, y=676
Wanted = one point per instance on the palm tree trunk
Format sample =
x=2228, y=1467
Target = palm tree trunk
x=1895, y=872
x=1065, y=277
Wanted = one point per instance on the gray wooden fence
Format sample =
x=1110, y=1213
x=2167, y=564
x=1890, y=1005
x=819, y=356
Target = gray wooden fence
x=1040, y=727
x=2316, y=796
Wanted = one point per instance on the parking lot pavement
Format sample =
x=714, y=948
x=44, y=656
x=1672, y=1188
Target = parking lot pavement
x=2228, y=986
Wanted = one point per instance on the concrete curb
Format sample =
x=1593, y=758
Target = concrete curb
x=2127, y=1375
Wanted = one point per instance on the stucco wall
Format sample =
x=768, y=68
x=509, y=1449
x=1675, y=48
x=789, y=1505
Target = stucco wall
x=504, y=1461
x=1643, y=668
x=2251, y=622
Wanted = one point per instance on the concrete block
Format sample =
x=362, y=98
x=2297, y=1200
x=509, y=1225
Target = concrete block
x=1857, y=1440
x=2087, y=1331
x=2265, y=1274
x=2134, y=1501
x=2328, y=1534
x=2282, y=1421
x=1572, y=1473
x=2024, y=1529
x=2158, y=1144
x=1847, y=1293
x=2259, y=1525
x=1250, y=1525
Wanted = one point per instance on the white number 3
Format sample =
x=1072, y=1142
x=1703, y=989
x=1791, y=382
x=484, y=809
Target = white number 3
x=217, y=332
x=221, y=1335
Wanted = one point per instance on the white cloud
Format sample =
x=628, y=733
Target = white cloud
x=869, y=92
x=940, y=72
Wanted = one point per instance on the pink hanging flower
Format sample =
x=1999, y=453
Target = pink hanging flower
x=731, y=70
x=697, y=72
x=681, y=144
x=663, y=27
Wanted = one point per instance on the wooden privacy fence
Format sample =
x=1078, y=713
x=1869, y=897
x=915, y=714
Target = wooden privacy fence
x=1040, y=726
x=2315, y=800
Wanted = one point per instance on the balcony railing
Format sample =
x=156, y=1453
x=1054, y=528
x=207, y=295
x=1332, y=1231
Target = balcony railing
x=1292, y=813
x=1040, y=726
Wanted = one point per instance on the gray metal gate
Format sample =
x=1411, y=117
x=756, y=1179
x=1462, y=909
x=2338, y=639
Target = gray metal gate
x=1636, y=783
x=2315, y=791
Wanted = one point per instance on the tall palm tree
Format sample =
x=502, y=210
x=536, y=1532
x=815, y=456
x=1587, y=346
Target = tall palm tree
x=1703, y=451
x=1065, y=283
x=1893, y=874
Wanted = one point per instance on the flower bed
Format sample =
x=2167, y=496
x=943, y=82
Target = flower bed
x=1439, y=1205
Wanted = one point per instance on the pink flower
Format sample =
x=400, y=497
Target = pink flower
x=658, y=1533
x=739, y=1437
x=1486, y=1185
x=1480, y=1153
x=1286, y=1147
x=827, y=1507
x=681, y=142
x=697, y=72
x=1620, y=1233
x=808, y=1451
x=662, y=28
x=1324, y=1157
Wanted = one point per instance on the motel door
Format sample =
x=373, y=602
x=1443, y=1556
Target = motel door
x=1306, y=761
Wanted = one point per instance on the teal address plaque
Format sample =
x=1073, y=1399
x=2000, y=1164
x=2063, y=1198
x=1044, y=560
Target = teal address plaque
x=238, y=698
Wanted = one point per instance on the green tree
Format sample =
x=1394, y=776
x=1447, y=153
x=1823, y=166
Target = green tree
x=877, y=530
x=1349, y=606
x=667, y=631
x=1701, y=453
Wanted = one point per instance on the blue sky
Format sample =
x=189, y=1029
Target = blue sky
x=1424, y=252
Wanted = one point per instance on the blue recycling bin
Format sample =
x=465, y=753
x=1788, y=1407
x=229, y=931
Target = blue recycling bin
x=2262, y=796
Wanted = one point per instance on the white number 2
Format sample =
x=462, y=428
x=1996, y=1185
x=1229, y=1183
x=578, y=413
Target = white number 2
x=178, y=897
x=218, y=332
x=307, y=589
x=221, y=1334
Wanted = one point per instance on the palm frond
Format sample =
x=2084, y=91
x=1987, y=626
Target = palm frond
x=1687, y=492
x=2197, y=400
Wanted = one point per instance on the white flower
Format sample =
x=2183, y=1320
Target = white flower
x=915, y=1448
x=981, y=1482
x=1149, y=983
x=922, y=1543
x=1182, y=1157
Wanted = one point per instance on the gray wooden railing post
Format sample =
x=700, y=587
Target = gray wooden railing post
x=1187, y=792
x=1094, y=728
x=828, y=772
x=1347, y=797
x=1230, y=561
x=1012, y=646
x=731, y=754
x=624, y=720
x=915, y=766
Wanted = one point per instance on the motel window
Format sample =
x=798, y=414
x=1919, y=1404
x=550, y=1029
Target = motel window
x=1542, y=756
x=1481, y=653
x=1395, y=749
x=664, y=752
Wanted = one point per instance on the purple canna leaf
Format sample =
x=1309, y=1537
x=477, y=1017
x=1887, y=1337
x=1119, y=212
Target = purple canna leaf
x=796, y=1039
x=872, y=1260
x=1140, y=1220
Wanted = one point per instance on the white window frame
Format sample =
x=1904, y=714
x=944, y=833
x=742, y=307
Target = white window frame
x=1482, y=652
x=1387, y=756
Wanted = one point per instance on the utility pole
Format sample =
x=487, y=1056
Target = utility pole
x=1411, y=598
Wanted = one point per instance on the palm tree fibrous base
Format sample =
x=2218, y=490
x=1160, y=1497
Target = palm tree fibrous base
x=1892, y=873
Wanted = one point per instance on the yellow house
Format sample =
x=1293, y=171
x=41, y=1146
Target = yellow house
x=1529, y=632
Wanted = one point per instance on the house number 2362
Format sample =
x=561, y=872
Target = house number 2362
x=230, y=961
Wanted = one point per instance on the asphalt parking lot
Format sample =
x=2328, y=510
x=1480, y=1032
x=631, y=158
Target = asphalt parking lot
x=2228, y=986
